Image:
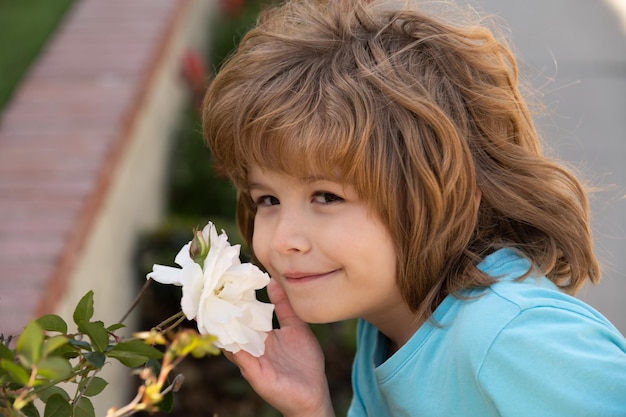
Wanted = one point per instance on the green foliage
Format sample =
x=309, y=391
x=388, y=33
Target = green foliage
x=84, y=309
x=197, y=191
x=93, y=387
x=134, y=353
x=53, y=323
x=57, y=406
x=46, y=354
x=24, y=29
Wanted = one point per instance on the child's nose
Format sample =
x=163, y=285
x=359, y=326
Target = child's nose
x=291, y=234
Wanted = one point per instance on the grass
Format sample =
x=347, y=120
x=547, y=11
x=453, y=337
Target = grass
x=25, y=27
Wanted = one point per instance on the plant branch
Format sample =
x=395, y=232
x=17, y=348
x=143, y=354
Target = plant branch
x=129, y=408
x=136, y=301
x=179, y=317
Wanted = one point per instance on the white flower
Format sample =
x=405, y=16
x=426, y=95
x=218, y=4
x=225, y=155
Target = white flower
x=220, y=294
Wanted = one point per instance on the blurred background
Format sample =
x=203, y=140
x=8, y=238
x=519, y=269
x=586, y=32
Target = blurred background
x=103, y=170
x=574, y=53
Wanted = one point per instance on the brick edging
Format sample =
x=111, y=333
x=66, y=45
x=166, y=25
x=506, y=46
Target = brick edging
x=69, y=124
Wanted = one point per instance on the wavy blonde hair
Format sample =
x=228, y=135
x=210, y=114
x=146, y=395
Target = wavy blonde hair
x=421, y=116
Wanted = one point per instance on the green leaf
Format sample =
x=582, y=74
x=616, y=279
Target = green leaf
x=57, y=406
x=53, y=344
x=84, y=408
x=115, y=327
x=15, y=372
x=67, y=351
x=4, y=377
x=53, y=323
x=45, y=394
x=84, y=309
x=54, y=368
x=29, y=343
x=5, y=352
x=97, y=334
x=95, y=387
x=134, y=353
x=96, y=359
x=30, y=410
x=81, y=344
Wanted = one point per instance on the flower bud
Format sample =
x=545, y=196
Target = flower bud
x=199, y=248
x=152, y=337
x=178, y=382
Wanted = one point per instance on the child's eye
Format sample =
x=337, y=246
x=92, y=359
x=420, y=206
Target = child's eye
x=266, y=200
x=323, y=197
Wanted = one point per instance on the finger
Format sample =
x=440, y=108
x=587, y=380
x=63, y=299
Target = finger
x=284, y=312
x=229, y=355
x=248, y=365
x=241, y=358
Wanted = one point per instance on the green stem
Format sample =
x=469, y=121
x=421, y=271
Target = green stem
x=26, y=390
x=179, y=317
x=176, y=323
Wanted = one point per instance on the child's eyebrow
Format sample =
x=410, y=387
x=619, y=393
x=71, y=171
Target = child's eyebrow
x=255, y=185
x=314, y=178
x=309, y=179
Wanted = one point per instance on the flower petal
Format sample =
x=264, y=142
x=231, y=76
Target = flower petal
x=216, y=310
x=218, y=261
x=192, y=281
x=221, y=294
x=258, y=316
x=165, y=274
x=182, y=257
x=247, y=277
x=243, y=338
x=256, y=344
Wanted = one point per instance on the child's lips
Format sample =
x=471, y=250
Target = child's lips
x=304, y=277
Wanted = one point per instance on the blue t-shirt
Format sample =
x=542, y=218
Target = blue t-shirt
x=516, y=348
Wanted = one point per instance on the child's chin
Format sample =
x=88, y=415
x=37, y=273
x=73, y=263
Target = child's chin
x=313, y=317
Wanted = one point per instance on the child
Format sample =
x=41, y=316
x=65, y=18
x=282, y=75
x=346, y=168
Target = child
x=388, y=169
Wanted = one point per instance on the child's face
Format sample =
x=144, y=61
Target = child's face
x=335, y=259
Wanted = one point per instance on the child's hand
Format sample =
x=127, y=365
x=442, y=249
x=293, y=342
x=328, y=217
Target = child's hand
x=290, y=375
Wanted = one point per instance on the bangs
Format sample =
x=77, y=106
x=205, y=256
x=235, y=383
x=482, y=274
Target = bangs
x=305, y=136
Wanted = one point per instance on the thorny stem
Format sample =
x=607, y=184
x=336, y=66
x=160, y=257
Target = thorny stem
x=136, y=301
x=82, y=391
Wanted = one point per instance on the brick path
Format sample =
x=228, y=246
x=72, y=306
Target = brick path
x=60, y=139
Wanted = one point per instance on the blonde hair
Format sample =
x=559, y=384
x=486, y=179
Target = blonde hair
x=421, y=116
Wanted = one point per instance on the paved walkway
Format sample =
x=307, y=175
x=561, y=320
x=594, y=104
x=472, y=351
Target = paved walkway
x=575, y=52
x=61, y=138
